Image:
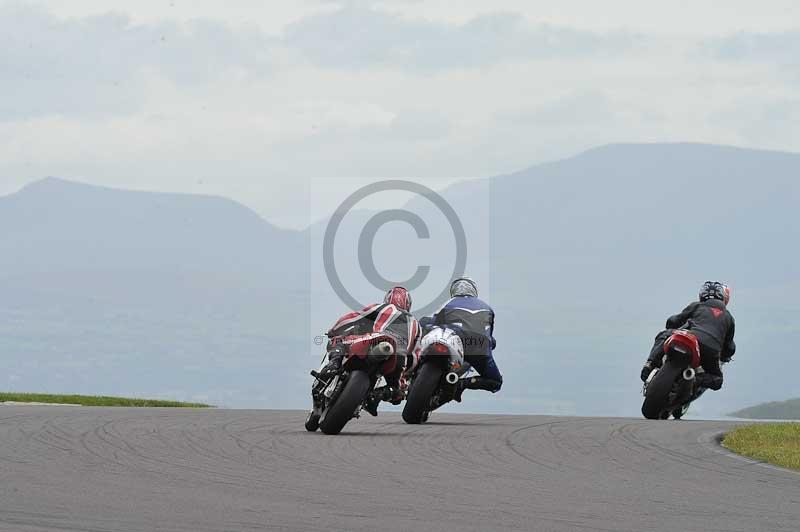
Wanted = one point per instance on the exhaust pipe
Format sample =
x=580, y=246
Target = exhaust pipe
x=385, y=348
x=689, y=374
x=451, y=377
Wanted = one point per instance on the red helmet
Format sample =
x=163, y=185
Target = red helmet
x=399, y=297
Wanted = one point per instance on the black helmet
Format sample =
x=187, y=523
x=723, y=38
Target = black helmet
x=715, y=290
x=463, y=286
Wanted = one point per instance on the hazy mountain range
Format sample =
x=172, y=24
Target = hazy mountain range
x=191, y=297
x=774, y=410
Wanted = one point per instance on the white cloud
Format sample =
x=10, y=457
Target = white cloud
x=367, y=38
x=100, y=64
x=256, y=101
x=685, y=17
x=763, y=122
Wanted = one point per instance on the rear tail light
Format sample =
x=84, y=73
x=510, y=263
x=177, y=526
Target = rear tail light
x=440, y=348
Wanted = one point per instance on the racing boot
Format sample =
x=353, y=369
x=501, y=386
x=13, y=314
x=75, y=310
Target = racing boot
x=371, y=404
x=709, y=381
x=384, y=393
x=334, y=364
x=482, y=383
x=372, y=401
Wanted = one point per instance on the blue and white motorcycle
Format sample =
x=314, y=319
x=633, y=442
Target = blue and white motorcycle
x=435, y=379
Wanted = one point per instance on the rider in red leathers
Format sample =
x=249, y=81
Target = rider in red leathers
x=393, y=317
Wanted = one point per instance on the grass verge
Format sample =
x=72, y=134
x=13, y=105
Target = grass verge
x=776, y=443
x=91, y=400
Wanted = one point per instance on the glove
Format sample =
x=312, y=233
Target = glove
x=647, y=369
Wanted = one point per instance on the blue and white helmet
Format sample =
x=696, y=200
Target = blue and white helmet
x=463, y=286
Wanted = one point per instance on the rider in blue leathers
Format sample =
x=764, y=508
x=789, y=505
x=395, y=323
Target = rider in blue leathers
x=473, y=320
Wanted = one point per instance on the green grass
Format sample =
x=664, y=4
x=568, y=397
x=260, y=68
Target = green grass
x=91, y=400
x=776, y=443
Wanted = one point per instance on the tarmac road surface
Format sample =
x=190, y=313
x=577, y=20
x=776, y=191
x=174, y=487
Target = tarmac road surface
x=97, y=469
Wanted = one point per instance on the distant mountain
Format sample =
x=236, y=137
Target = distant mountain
x=79, y=226
x=69, y=238
x=198, y=298
x=789, y=410
x=106, y=290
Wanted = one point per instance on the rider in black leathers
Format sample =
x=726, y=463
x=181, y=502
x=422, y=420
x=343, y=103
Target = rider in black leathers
x=712, y=323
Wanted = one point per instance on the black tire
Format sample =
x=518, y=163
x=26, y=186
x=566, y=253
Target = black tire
x=418, y=401
x=341, y=411
x=312, y=421
x=655, y=402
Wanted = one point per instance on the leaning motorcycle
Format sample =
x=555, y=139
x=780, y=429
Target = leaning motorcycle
x=339, y=397
x=441, y=365
x=670, y=389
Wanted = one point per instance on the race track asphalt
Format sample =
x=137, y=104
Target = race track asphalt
x=92, y=469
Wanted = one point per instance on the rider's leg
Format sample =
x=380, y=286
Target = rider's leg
x=335, y=356
x=657, y=352
x=490, y=378
x=391, y=392
x=711, y=377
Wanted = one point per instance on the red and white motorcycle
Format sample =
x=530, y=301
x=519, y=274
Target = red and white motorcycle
x=338, y=398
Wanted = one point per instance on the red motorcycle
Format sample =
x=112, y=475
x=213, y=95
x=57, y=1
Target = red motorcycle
x=339, y=397
x=670, y=389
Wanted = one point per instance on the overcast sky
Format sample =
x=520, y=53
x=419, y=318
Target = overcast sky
x=268, y=102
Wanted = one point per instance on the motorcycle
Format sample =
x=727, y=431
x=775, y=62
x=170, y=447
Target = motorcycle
x=434, y=382
x=339, y=397
x=670, y=389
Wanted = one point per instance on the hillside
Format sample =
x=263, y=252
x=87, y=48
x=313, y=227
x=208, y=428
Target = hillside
x=114, y=292
x=775, y=410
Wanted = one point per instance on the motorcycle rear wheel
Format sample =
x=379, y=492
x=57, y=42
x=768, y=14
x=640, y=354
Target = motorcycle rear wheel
x=655, y=402
x=422, y=388
x=341, y=411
